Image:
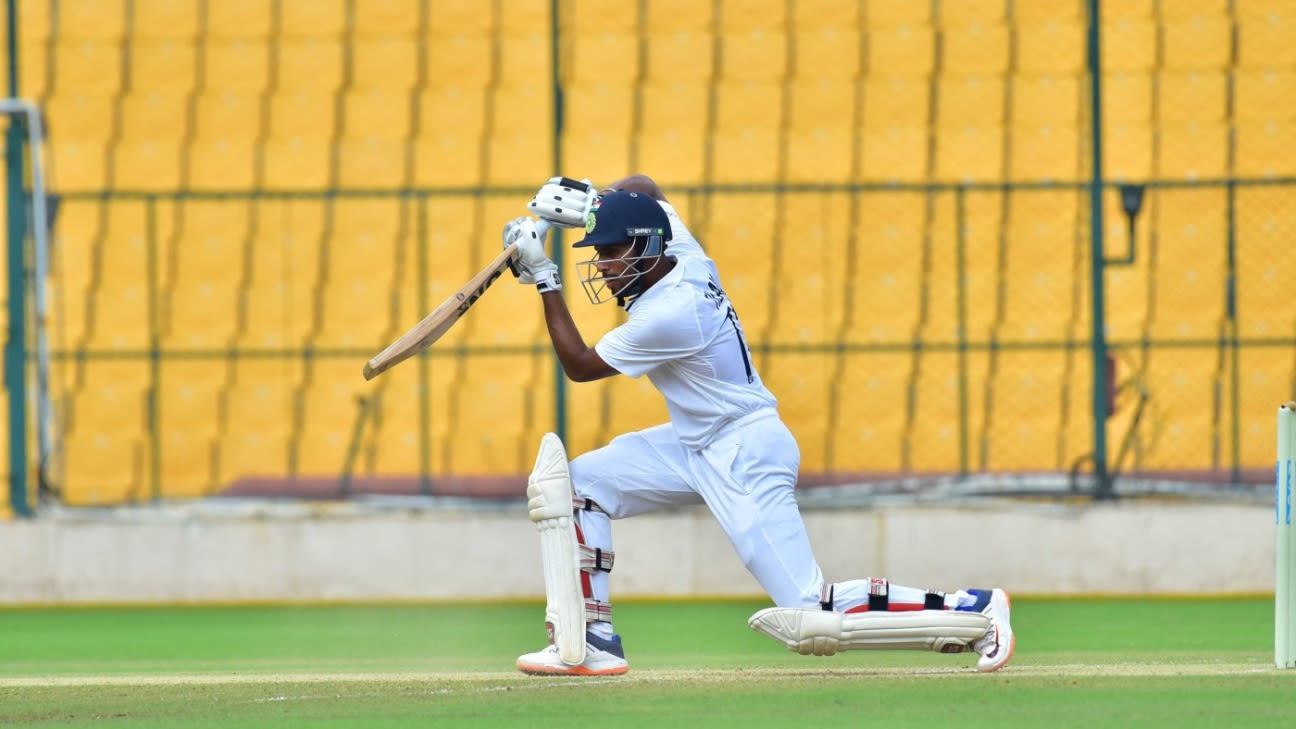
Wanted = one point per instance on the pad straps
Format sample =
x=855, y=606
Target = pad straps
x=593, y=559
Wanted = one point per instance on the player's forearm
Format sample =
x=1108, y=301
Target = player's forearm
x=579, y=361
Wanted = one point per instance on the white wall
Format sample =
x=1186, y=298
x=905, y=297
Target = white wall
x=358, y=553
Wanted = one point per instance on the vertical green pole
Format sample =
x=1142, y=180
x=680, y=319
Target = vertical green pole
x=1235, y=376
x=15, y=359
x=960, y=219
x=560, y=378
x=1098, y=325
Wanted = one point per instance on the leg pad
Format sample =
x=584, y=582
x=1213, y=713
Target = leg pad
x=809, y=631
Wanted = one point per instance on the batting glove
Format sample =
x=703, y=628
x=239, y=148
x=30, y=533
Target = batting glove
x=532, y=265
x=564, y=202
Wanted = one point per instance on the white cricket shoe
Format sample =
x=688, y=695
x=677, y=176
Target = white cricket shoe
x=603, y=657
x=997, y=645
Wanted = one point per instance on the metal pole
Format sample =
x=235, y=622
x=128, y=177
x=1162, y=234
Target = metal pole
x=1103, y=486
x=560, y=378
x=15, y=355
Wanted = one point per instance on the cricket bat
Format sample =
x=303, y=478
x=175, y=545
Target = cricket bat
x=434, y=325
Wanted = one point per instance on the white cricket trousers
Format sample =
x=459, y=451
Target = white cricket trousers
x=746, y=476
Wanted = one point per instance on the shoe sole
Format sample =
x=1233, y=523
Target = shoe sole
x=1012, y=641
x=533, y=669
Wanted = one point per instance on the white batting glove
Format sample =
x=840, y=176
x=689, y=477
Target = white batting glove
x=564, y=202
x=532, y=266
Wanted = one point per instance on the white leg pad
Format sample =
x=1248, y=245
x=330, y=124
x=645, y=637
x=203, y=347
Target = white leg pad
x=549, y=494
x=811, y=631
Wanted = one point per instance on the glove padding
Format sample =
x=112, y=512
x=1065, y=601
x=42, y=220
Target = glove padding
x=531, y=266
x=564, y=202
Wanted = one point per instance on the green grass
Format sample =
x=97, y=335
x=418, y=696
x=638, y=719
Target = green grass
x=1079, y=663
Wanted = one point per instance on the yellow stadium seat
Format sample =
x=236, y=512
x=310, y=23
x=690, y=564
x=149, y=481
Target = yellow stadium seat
x=285, y=313
x=451, y=110
x=511, y=158
x=1038, y=303
x=78, y=116
x=241, y=65
x=202, y=314
x=821, y=103
x=1265, y=219
x=1127, y=298
x=323, y=453
x=35, y=18
x=186, y=464
x=34, y=71
x=976, y=48
x=99, y=20
x=87, y=66
x=745, y=155
x=112, y=398
x=598, y=154
x=1264, y=41
x=1197, y=42
x=802, y=382
x=387, y=18
x=535, y=97
x=1178, y=432
x=304, y=114
x=686, y=56
x=1197, y=96
x=583, y=16
x=163, y=66
x=1191, y=263
x=1024, y=414
x=1127, y=151
x=1193, y=151
x=188, y=398
x=124, y=251
x=1262, y=149
x=674, y=155
x=448, y=160
x=758, y=54
x=598, y=107
x=600, y=57
x=820, y=155
x=463, y=60
x=251, y=454
x=1048, y=10
x=146, y=164
x=1055, y=46
x=825, y=14
x=1257, y=7
x=377, y=113
x=1128, y=44
x=488, y=439
x=1127, y=97
x=164, y=20
x=970, y=11
x=355, y=314
x=969, y=100
x=222, y=164
x=309, y=63
x=247, y=19
x=906, y=50
x=78, y=165
x=289, y=237
x=978, y=232
x=386, y=63
x=120, y=317
x=517, y=60
x=1191, y=8
x=103, y=469
x=1045, y=100
x=1267, y=378
x=871, y=409
x=748, y=105
x=948, y=409
x=897, y=100
x=890, y=15
x=969, y=153
x=312, y=18
x=895, y=153
x=673, y=15
x=827, y=52
x=365, y=233
x=294, y=163
x=753, y=14
x=259, y=407
x=154, y=117
x=1263, y=94
x=884, y=296
x=372, y=162
x=1045, y=153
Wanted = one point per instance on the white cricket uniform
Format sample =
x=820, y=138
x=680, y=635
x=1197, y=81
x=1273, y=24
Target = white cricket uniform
x=725, y=444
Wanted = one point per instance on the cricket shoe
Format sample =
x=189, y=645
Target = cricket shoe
x=603, y=657
x=997, y=645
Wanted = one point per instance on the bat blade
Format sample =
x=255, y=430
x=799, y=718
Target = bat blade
x=436, y=324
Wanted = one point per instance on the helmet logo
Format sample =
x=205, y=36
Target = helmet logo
x=590, y=222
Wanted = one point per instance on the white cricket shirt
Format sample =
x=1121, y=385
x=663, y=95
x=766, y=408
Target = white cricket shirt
x=684, y=334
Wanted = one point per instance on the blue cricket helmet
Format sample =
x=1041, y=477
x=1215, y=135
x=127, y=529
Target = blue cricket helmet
x=622, y=217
